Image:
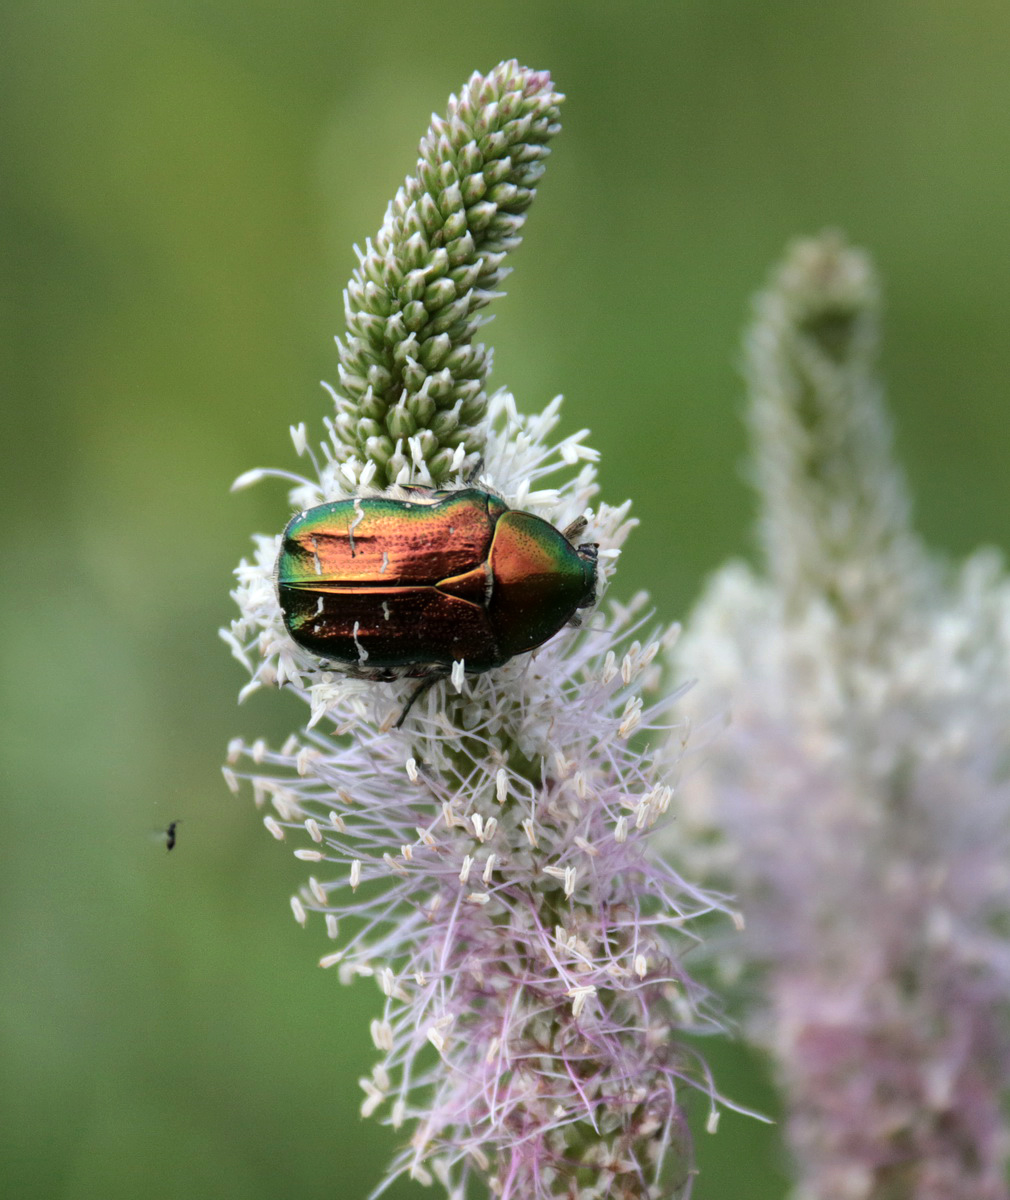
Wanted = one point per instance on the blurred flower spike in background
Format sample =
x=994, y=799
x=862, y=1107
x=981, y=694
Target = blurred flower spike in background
x=860, y=799
x=489, y=864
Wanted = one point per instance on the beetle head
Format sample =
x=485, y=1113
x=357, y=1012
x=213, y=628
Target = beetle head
x=589, y=552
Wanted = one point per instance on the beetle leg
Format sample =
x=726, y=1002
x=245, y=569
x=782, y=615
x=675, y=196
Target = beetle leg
x=416, y=695
x=578, y=526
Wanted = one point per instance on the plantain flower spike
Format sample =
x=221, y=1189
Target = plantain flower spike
x=489, y=864
x=859, y=800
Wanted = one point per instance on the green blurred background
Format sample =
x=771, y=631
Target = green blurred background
x=182, y=183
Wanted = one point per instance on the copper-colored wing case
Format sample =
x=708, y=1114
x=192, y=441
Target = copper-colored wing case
x=358, y=580
x=377, y=583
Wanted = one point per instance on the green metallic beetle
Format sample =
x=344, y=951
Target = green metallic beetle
x=389, y=587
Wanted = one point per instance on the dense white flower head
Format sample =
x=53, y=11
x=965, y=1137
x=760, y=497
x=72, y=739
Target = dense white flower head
x=859, y=798
x=494, y=854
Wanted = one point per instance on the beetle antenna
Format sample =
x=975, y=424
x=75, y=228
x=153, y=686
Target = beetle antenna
x=416, y=695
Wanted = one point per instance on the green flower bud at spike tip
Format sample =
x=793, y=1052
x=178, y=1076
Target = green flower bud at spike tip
x=835, y=516
x=434, y=263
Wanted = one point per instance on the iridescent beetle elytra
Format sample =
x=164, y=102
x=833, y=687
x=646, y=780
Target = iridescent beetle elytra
x=391, y=587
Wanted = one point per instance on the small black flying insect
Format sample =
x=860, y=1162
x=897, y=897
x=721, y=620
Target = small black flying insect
x=170, y=834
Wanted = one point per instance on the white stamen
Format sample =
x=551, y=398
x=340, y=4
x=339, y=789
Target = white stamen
x=480, y=1158
x=579, y=996
x=632, y=717
x=247, y=479
x=374, y=1097
x=671, y=637
x=457, y=674
x=436, y=1038
x=382, y=1035
x=362, y=652
x=306, y=756
x=359, y=516
x=394, y=866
